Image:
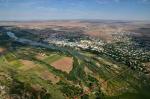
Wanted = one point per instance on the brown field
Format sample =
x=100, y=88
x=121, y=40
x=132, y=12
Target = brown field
x=65, y=64
x=44, y=24
x=46, y=75
x=2, y=50
x=27, y=65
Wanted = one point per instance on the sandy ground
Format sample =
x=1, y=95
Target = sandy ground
x=64, y=64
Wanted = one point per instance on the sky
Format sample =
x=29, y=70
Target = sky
x=74, y=9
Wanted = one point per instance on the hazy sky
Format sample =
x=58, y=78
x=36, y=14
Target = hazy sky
x=74, y=9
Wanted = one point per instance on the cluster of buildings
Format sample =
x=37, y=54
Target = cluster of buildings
x=122, y=49
x=91, y=44
x=127, y=52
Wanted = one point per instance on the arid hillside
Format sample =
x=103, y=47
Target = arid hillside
x=97, y=28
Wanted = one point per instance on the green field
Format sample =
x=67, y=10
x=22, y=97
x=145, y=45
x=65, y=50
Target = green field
x=52, y=58
x=108, y=79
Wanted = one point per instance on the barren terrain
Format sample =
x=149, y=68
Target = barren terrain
x=97, y=28
x=64, y=64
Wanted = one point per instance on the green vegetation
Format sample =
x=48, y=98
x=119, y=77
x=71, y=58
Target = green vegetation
x=70, y=90
x=112, y=74
x=52, y=58
x=77, y=72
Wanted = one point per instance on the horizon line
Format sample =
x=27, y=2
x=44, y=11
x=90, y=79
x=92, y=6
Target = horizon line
x=70, y=20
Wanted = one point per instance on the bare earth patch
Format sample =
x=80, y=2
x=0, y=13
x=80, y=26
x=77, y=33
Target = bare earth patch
x=64, y=64
x=2, y=50
x=27, y=64
x=147, y=65
x=49, y=76
x=41, y=56
x=87, y=70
